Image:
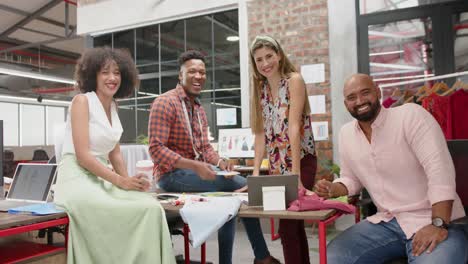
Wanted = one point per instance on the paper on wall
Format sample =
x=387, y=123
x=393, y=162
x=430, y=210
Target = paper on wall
x=317, y=104
x=320, y=130
x=226, y=116
x=313, y=73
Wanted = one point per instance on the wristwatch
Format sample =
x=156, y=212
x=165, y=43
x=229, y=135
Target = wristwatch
x=439, y=222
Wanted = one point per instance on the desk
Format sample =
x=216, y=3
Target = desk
x=11, y=224
x=322, y=217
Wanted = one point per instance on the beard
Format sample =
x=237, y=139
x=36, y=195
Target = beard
x=368, y=116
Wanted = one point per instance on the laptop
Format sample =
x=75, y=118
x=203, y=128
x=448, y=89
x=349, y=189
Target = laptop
x=256, y=183
x=31, y=184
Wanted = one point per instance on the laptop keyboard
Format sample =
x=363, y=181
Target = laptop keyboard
x=5, y=205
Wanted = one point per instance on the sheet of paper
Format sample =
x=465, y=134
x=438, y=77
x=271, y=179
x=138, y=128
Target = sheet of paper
x=226, y=116
x=320, y=130
x=313, y=73
x=317, y=104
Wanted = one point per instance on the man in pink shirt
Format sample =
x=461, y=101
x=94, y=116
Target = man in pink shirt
x=400, y=156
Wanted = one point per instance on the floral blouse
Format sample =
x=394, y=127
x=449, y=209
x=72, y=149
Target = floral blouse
x=275, y=118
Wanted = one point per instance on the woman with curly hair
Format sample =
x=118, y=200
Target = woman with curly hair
x=112, y=218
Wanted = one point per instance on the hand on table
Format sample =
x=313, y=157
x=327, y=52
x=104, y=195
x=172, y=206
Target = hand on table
x=225, y=165
x=205, y=171
x=243, y=189
x=323, y=188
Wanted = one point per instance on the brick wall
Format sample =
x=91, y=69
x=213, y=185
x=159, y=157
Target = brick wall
x=301, y=27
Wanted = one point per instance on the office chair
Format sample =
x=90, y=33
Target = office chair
x=40, y=154
x=9, y=166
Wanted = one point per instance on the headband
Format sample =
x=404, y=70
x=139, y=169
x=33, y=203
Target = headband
x=266, y=38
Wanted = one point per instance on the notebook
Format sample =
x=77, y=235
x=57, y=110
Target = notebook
x=256, y=183
x=36, y=209
x=31, y=185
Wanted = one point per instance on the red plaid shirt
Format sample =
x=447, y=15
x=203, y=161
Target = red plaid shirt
x=169, y=137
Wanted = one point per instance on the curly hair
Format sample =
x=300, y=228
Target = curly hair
x=191, y=55
x=92, y=61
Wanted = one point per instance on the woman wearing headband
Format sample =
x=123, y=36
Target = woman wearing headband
x=281, y=124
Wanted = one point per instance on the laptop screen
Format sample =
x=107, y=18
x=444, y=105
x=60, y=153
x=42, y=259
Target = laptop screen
x=32, y=181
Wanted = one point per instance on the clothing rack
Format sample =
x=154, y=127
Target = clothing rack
x=438, y=77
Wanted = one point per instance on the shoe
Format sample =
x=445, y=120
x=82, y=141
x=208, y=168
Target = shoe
x=267, y=260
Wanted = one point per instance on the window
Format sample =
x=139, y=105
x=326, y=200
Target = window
x=156, y=49
x=55, y=116
x=32, y=125
x=9, y=115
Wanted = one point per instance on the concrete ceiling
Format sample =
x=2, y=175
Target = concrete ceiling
x=38, y=36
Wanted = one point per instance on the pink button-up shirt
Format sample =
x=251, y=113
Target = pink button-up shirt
x=406, y=168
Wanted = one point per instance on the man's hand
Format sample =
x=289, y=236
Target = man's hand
x=205, y=171
x=243, y=189
x=427, y=238
x=225, y=165
x=323, y=188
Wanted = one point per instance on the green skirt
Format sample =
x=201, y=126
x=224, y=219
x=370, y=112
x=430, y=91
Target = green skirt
x=109, y=224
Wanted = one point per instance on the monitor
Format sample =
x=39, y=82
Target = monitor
x=236, y=143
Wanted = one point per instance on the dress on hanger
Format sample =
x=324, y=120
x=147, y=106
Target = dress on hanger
x=437, y=105
x=457, y=115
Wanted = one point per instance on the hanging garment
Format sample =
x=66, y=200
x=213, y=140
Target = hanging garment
x=457, y=115
x=388, y=102
x=438, y=106
x=314, y=202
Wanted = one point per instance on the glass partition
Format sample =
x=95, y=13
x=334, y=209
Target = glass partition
x=156, y=49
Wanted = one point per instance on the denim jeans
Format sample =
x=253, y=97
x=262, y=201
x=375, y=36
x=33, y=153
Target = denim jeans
x=377, y=243
x=184, y=180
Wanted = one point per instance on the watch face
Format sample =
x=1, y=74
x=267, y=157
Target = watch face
x=438, y=222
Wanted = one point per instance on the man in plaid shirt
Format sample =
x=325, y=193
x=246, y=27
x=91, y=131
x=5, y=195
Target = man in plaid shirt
x=183, y=156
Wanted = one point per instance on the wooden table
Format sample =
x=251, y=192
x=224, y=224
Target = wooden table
x=322, y=217
x=12, y=224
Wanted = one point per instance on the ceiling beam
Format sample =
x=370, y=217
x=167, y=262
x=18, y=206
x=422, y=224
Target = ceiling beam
x=30, y=18
x=52, y=51
x=40, y=18
x=40, y=32
x=45, y=42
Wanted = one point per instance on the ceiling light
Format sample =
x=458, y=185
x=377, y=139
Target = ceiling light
x=396, y=66
x=403, y=77
x=386, y=53
x=232, y=38
x=38, y=76
x=28, y=100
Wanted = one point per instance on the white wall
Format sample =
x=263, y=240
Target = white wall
x=115, y=15
x=343, y=60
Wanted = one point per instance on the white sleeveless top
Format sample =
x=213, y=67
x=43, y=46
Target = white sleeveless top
x=102, y=136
